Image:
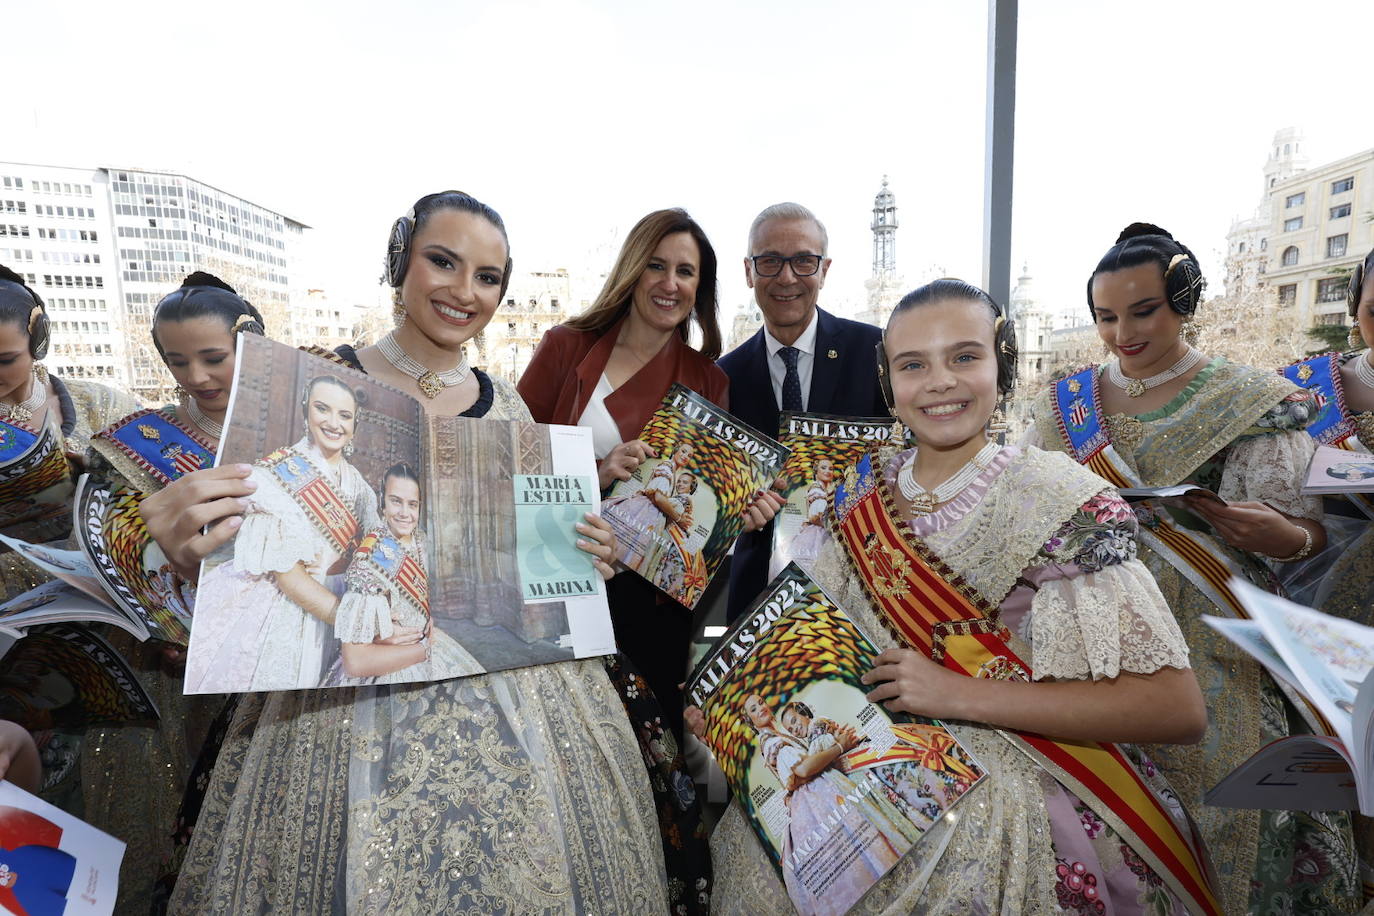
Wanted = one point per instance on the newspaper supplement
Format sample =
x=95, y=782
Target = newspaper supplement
x=836, y=788
x=680, y=511
x=820, y=448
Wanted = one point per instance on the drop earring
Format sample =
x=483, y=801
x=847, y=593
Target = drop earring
x=1355, y=338
x=997, y=424
x=899, y=433
x=1190, y=331
x=398, y=308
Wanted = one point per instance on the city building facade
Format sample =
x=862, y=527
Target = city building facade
x=1312, y=225
x=103, y=245
x=535, y=302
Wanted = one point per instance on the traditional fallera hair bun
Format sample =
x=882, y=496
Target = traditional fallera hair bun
x=1134, y=230
x=201, y=278
x=24, y=307
x=204, y=295
x=1146, y=243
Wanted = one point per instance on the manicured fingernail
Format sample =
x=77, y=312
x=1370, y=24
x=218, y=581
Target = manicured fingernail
x=235, y=521
x=244, y=469
x=251, y=484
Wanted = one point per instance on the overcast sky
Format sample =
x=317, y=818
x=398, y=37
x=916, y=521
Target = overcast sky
x=574, y=119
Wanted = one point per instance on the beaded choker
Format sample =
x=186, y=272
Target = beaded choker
x=1135, y=387
x=924, y=501
x=431, y=383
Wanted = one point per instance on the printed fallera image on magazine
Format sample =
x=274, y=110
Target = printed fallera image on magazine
x=383, y=546
x=678, y=514
x=837, y=789
x=819, y=449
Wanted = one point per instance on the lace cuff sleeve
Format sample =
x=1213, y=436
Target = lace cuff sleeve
x=1271, y=469
x=362, y=617
x=1103, y=623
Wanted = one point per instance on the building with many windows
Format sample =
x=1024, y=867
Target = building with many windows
x=535, y=301
x=56, y=231
x=1311, y=227
x=103, y=245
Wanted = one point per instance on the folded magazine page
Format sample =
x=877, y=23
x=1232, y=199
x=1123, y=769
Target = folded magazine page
x=836, y=788
x=679, y=513
x=56, y=601
x=381, y=546
x=65, y=676
x=52, y=863
x=88, y=569
x=1329, y=660
x=820, y=447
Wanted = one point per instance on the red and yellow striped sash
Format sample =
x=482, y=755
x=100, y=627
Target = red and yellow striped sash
x=414, y=583
x=931, y=610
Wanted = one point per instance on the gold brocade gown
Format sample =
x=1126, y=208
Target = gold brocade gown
x=1239, y=432
x=518, y=791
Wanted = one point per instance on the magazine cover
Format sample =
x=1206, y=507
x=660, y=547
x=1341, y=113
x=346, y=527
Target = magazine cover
x=52, y=863
x=65, y=676
x=820, y=447
x=1339, y=470
x=837, y=788
x=677, y=516
x=346, y=571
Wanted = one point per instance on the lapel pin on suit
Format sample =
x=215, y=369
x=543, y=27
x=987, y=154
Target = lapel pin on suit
x=832, y=355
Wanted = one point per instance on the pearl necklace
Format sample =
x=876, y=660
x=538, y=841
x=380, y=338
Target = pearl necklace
x=201, y=422
x=1135, y=387
x=25, y=409
x=1363, y=370
x=924, y=501
x=431, y=383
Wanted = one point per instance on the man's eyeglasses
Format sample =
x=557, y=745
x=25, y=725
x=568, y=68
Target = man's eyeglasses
x=770, y=265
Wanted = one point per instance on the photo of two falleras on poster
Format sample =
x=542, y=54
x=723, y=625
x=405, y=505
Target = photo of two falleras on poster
x=384, y=546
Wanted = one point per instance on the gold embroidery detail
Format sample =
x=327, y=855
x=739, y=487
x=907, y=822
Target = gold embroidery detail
x=1364, y=428
x=1126, y=432
x=150, y=432
x=1304, y=372
x=1075, y=385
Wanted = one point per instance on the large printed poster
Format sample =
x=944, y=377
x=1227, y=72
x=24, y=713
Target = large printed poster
x=384, y=546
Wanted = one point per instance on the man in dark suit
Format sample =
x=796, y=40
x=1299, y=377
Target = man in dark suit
x=801, y=359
